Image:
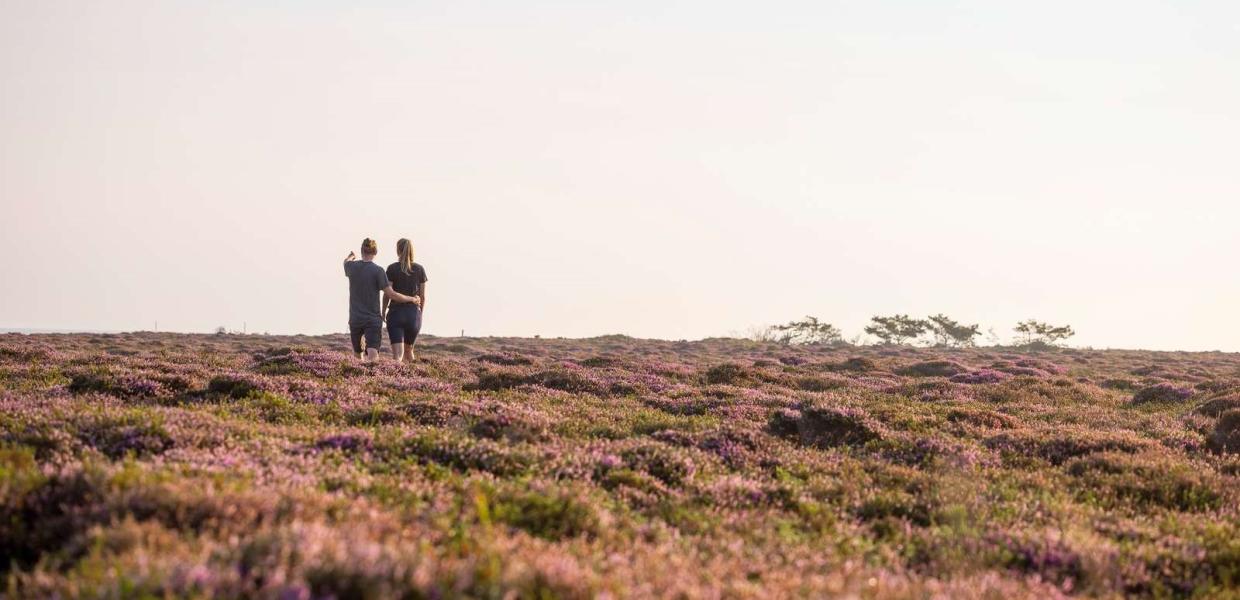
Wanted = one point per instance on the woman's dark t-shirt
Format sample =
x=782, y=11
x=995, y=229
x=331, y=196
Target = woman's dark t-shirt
x=408, y=284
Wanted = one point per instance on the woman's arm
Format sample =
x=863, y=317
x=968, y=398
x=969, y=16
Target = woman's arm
x=422, y=295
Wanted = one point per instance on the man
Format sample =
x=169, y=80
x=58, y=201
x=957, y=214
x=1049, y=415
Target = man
x=366, y=280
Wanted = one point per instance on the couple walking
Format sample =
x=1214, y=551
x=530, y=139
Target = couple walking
x=403, y=286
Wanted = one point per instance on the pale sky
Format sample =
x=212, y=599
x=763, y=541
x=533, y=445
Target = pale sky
x=658, y=169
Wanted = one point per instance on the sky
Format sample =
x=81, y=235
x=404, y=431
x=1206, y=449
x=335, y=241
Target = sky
x=674, y=170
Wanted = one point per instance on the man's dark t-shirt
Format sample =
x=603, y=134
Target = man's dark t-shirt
x=366, y=281
x=408, y=284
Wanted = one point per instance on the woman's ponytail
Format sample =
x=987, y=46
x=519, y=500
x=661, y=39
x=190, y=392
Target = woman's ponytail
x=404, y=248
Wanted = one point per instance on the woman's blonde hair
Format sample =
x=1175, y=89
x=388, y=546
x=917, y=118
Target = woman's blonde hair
x=369, y=247
x=404, y=249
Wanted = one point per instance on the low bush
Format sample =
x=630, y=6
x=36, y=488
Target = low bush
x=1226, y=436
x=826, y=426
x=858, y=364
x=346, y=442
x=897, y=505
x=1217, y=406
x=510, y=424
x=503, y=359
x=981, y=418
x=140, y=434
x=1124, y=385
x=1111, y=479
x=233, y=386
x=464, y=453
x=550, y=514
x=933, y=368
x=661, y=462
x=1162, y=392
x=980, y=377
x=497, y=380
x=728, y=373
x=121, y=386
x=1062, y=444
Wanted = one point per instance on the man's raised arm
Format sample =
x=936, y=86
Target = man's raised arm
x=347, y=260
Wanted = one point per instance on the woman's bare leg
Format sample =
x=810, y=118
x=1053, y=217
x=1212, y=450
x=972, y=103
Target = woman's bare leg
x=398, y=351
x=409, y=353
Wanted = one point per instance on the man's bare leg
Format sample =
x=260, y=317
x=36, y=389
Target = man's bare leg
x=372, y=354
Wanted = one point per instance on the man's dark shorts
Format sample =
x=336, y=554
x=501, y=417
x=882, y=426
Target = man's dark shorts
x=371, y=332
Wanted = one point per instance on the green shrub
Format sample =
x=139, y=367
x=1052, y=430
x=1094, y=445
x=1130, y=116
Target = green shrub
x=1113, y=479
x=728, y=373
x=895, y=504
x=464, y=453
x=231, y=386
x=279, y=410
x=1217, y=406
x=661, y=462
x=933, y=368
x=1226, y=436
x=548, y=515
x=826, y=426
x=141, y=434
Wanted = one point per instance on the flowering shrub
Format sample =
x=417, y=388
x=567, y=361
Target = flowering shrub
x=1112, y=479
x=980, y=376
x=160, y=465
x=1059, y=445
x=1217, y=406
x=1162, y=392
x=1226, y=436
x=728, y=373
x=933, y=368
x=124, y=385
x=826, y=426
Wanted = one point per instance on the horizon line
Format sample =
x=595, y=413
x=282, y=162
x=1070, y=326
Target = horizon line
x=70, y=331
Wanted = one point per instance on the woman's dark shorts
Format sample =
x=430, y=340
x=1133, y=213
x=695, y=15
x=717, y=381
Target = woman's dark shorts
x=372, y=332
x=404, y=321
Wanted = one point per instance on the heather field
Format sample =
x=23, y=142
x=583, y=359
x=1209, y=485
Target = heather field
x=163, y=465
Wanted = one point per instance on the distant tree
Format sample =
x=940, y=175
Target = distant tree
x=221, y=330
x=1033, y=331
x=809, y=331
x=950, y=333
x=896, y=329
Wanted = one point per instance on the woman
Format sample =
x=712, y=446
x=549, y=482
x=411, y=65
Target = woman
x=404, y=320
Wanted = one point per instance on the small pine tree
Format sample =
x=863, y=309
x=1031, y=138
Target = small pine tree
x=1033, y=331
x=809, y=331
x=950, y=333
x=896, y=329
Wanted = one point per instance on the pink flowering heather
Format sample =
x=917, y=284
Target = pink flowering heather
x=160, y=465
x=980, y=376
x=1162, y=392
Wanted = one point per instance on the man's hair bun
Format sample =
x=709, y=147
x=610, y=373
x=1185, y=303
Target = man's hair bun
x=369, y=246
